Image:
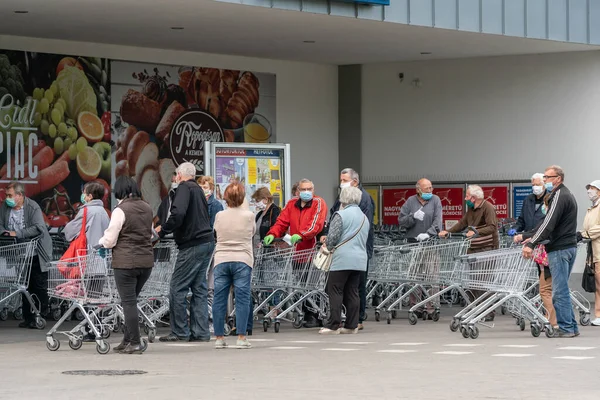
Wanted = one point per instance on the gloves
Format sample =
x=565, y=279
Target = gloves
x=102, y=252
x=268, y=239
x=423, y=236
x=579, y=237
x=511, y=232
x=419, y=215
x=295, y=238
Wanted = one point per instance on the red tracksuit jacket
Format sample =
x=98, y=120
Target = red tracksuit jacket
x=307, y=222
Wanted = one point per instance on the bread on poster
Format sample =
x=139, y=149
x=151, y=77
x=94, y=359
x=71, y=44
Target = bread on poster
x=148, y=156
x=134, y=149
x=149, y=182
x=173, y=112
x=140, y=111
x=166, y=169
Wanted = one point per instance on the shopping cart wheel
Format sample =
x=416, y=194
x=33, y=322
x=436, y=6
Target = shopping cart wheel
x=117, y=325
x=584, y=319
x=151, y=335
x=405, y=302
x=18, y=314
x=4, y=315
x=463, y=302
x=454, y=325
x=474, y=332
x=40, y=323
x=412, y=319
x=146, y=329
x=103, y=347
x=464, y=331
x=266, y=325
x=436, y=316
x=503, y=310
x=377, y=315
x=54, y=345
x=535, y=330
x=276, y=326
x=389, y=319
x=298, y=322
x=522, y=324
x=144, y=344
x=549, y=331
x=75, y=344
x=78, y=315
x=105, y=333
x=394, y=314
x=56, y=314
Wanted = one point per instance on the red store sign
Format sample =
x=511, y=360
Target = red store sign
x=393, y=200
x=498, y=196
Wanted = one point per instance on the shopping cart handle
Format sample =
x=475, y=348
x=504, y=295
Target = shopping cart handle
x=98, y=247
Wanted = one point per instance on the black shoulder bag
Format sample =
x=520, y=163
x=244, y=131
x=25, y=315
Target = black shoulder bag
x=588, y=282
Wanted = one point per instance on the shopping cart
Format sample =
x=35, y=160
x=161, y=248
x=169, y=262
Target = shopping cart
x=15, y=270
x=434, y=265
x=503, y=275
x=85, y=281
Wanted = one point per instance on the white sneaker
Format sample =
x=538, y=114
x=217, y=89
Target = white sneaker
x=243, y=344
x=327, y=331
x=220, y=344
x=596, y=322
x=211, y=329
x=346, y=331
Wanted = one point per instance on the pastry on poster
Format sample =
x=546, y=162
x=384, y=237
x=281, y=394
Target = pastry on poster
x=167, y=114
x=55, y=128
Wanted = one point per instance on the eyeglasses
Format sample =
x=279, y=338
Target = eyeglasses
x=550, y=176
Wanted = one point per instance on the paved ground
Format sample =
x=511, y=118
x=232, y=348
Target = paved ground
x=396, y=361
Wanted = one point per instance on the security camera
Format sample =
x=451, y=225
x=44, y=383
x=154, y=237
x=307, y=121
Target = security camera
x=401, y=76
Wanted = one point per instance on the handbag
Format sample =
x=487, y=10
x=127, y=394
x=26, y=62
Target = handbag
x=324, y=256
x=540, y=257
x=77, y=248
x=588, y=280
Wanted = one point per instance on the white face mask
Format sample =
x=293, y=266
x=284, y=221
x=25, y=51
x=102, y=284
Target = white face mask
x=344, y=185
x=593, y=194
x=261, y=205
x=538, y=190
x=174, y=185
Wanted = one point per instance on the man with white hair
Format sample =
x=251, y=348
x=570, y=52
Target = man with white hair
x=531, y=212
x=482, y=224
x=350, y=178
x=190, y=223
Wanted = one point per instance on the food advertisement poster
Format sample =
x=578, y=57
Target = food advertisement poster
x=374, y=193
x=254, y=168
x=162, y=115
x=498, y=196
x=451, y=197
x=54, y=128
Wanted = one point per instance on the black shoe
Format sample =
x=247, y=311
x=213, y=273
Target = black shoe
x=489, y=318
x=89, y=337
x=171, y=337
x=311, y=323
x=133, y=349
x=120, y=347
x=249, y=332
x=197, y=339
x=33, y=325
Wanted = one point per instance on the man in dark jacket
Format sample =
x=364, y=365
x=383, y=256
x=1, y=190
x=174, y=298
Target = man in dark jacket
x=349, y=177
x=190, y=223
x=531, y=212
x=560, y=230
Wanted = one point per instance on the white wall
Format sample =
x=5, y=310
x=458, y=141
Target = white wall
x=306, y=105
x=486, y=118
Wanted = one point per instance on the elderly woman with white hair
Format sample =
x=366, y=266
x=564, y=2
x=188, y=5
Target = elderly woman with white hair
x=347, y=240
x=591, y=230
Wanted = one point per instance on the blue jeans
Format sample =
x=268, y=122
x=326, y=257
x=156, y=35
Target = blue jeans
x=561, y=264
x=239, y=275
x=190, y=274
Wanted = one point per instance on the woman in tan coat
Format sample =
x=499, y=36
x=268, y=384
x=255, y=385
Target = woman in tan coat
x=591, y=230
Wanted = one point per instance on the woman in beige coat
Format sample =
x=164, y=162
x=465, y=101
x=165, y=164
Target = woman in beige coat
x=591, y=230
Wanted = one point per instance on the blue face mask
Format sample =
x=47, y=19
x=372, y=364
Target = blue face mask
x=306, y=196
x=549, y=186
x=10, y=202
x=470, y=204
x=426, y=196
x=83, y=198
x=544, y=210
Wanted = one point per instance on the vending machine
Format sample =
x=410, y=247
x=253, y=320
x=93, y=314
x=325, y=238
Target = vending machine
x=253, y=165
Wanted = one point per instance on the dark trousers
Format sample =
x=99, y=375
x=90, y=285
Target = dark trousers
x=38, y=288
x=362, y=293
x=342, y=288
x=129, y=284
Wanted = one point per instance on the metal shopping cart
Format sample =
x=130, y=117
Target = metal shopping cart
x=85, y=281
x=15, y=270
x=503, y=275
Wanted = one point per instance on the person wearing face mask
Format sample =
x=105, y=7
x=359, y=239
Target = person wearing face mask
x=421, y=218
x=350, y=178
x=96, y=216
x=164, y=210
x=267, y=214
x=214, y=206
x=482, y=224
x=22, y=219
x=559, y=230
x=304, y=217
x=531, y=212
x=591, y=230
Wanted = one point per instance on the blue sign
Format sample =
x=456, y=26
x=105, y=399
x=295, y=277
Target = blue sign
x=520, y=193
x=367, y=2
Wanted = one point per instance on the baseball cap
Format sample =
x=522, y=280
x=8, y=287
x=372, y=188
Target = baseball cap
x=595, y=184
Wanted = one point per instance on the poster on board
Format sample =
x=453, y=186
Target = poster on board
x=519, y=194
x=374, y=193
x=54, y=129
x=497, y=195
x=452, y=199
x=163, y=115
x=393, y=200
